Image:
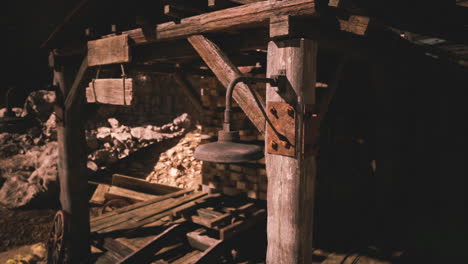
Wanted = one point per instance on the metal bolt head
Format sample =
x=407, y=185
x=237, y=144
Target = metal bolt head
x=274, y=145
x=274, y=112
x=291, y=112
x=286, y=144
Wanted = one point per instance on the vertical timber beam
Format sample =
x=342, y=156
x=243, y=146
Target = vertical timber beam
x=291, y=180
x=72, y=162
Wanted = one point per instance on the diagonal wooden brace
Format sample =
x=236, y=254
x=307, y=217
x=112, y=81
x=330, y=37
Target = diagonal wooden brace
x=226, y=72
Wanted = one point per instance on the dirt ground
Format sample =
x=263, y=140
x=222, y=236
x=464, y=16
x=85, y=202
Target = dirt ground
x=24, y=227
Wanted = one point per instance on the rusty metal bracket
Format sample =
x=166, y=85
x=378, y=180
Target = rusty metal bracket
x=283, y=117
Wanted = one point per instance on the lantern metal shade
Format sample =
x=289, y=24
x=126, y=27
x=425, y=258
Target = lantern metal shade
x=228, y=148
x=228, y=152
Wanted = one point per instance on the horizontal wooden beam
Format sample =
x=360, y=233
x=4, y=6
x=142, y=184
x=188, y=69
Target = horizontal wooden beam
x=109, y=51
x=244, y=2
x=230, y=19
x=180, y=50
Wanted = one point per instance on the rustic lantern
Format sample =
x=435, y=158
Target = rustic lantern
x=229, y=148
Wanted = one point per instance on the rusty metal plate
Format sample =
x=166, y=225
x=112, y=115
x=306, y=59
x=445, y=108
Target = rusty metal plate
x=283, y=117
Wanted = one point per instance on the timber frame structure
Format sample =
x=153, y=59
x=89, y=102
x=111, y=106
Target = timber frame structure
x=288, y=35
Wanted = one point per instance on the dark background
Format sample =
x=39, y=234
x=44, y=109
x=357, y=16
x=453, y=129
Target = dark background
x=26, y=25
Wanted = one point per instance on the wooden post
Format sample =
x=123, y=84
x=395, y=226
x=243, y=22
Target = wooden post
x=72, y=163
x=291, y=180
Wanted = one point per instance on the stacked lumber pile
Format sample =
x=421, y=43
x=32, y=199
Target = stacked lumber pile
x=248, y=179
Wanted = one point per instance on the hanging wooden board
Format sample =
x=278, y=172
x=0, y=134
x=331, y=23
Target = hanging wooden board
x=110, y=91
x=109, y=50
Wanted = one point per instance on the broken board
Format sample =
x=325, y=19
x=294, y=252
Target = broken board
x=110, y=91
x=110, y=50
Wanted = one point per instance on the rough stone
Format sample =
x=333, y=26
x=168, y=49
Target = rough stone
x=23, y=187
x=176, y=166
x=114, y=123
x=39, y=104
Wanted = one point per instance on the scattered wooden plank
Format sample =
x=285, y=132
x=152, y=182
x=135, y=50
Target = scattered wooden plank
x=148, y=250
x=109, y=51
x=199, y=240
x=120, y=249
x=226, y=72
x=142, y=204
x=115, y=192
x=141, y=216
x=99, y=195
x=195, y=205
x=208, y=213
x=186, y=257
x=211, y=255
x=240, y=226
x=136, y=184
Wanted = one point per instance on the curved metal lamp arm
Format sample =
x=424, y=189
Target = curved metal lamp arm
x=230, y=90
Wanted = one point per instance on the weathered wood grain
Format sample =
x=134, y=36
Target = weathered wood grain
x=109, y=51
x=142, y=204
x=150, y=248
x=99, y=195
x=226, y=72
x=72, y=160
x=136, y=184
x=355, y=24
x=280, y=26
x=291, y=180
x=246, y=16
x=110, y=91
x=139, y=216
x=115, y=192
x=244, y=2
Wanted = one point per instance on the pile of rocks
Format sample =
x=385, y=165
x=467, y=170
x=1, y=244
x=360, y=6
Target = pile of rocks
x=177, y=166
x=110, y=144
x=28, y=177
x=28, y=162
x=36, y=255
